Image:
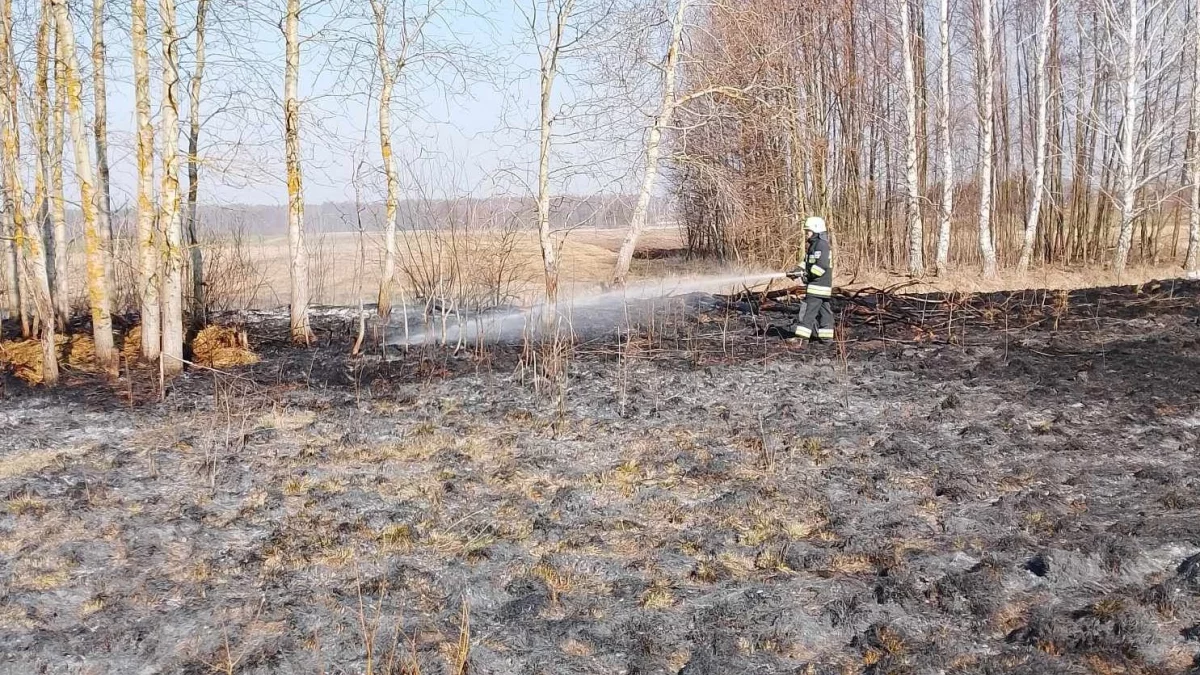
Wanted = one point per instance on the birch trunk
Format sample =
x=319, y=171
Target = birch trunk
x=27, y=235
x=384, y=308
x=666, y=113
x=301, y=332
x=95, y=240
x=58, y=202
x=916, y=235
x=168, y=209
x=199, y=301
x=1042, y=122
x=12, y=287
x=149, y=262
x=548, y=58
x=1192, y=263
x=987, y=153
x=42, y=172
x=946, y=210
x=1132, y=100
x=100, y=130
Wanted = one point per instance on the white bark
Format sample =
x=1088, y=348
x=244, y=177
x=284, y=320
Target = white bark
x=392, y=207
x=95, y=239
x=1042, y=122
x=912, y=210
x=199, y=302
x=12, y=288
x=1129, y=128
x=946, y=210
x=301, y=332
x=1192, y=263
x=168, y=210
x=549, y=54
x=662, y=121
x=149, y=262
x=27, y=233
x=100, y=131
x=58, y=204
x=987, y=132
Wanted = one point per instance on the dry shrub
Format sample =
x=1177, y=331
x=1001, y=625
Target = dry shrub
x=223, y=347
x=23, y=358
x=233, y=278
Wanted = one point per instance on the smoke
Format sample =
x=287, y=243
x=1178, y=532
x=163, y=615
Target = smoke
x=587, y=315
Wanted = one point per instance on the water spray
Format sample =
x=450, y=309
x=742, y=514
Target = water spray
x=606, y=309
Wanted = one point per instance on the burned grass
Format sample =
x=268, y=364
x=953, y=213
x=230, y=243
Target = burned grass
x=1011, y=502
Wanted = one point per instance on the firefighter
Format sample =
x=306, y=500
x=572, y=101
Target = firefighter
x=816, y=273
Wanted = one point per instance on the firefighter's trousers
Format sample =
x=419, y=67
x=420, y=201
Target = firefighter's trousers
x=816, y=319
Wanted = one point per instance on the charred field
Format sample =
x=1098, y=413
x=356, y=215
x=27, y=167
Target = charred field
x=1003, y=483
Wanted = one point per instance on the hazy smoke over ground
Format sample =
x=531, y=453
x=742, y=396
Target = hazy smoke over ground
x=584, y=316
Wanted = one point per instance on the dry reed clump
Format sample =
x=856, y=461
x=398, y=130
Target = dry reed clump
x=23, y=358
x=131, y=349
x=223, y=347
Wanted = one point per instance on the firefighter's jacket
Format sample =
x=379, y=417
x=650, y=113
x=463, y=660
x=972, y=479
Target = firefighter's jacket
x=818, y=266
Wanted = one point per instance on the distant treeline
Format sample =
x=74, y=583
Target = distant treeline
x=598, y=212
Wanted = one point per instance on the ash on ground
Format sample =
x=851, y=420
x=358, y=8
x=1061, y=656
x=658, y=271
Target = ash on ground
x=1012, y=492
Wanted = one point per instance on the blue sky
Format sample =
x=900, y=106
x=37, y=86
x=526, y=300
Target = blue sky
x=461, y=125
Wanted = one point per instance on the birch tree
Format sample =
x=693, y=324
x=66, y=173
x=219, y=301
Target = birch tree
x=149, y=263
x=1192, y=262
x=27, y=233
x=946, y=210
x=666, y=113
x=916, y=236
x=1132, y=98
x=41, y=132
x=199, y=302
x=95, y=239
x=1138, y=27
x=1041, y=143
x=301, y=331
x=57, y=186
x=392, y=203
x=987, y=121
x=12, y=288
x=168, y=210
x=558, y=14
x=100, y=128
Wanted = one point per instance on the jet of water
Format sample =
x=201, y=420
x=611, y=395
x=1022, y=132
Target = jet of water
x=589, y=312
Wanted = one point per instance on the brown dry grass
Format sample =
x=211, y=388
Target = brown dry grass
x=23, y=358
x=223, y=347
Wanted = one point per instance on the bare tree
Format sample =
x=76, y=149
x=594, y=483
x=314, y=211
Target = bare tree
x=301, y=331
x=12, y=287
x=1041, y=142
x=199, y=304
x=662, y=122
x=27, y=234
x=1192, y=262
x=149, y=262
x=41, y=131
x=1138, y=28
x=168, y=209
x=912, y=186
x=100, y=128
x=95, y=239
x=987, y=122
x=557, y=17
x=58, y=202
x=946, y=210
x=391, y=209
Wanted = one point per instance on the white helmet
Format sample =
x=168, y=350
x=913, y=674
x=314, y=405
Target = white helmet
x=815, y=224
